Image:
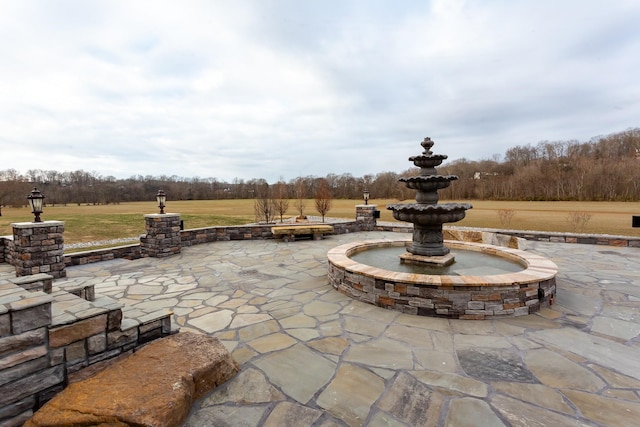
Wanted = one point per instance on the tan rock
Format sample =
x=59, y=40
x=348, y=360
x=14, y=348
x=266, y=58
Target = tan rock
x=155, y=386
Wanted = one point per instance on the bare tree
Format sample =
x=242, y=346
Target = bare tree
x=299, y=202
x=323, y=197
x=280, y=200
x=505, y=216
x=578, y=221
x=263, y=205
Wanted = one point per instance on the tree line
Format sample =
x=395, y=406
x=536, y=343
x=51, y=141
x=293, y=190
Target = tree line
x=603, y=168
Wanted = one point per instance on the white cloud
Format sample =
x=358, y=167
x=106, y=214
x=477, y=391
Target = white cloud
x=285, y=88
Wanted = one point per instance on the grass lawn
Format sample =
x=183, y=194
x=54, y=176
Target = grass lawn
x=91, y=223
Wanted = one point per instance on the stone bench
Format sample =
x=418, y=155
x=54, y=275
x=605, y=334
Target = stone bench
x=289, y=232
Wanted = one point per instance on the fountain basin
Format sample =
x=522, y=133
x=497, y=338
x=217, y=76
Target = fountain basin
x=452, y=296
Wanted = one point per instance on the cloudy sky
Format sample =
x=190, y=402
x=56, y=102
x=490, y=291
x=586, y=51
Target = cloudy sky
x=287, y=88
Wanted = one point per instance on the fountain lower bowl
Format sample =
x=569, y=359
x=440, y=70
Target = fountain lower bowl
x=452, y=296
x=429, y=214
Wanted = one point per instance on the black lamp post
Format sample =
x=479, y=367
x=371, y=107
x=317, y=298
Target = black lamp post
x=36, y=199
x=366, y=197
x=161, y=198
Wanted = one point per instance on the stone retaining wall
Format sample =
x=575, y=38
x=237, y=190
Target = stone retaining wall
x=49, y=336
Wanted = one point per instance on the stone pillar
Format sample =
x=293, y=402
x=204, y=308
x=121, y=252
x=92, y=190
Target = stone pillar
x=366, y=216
x=163, y=235
x=38, y=247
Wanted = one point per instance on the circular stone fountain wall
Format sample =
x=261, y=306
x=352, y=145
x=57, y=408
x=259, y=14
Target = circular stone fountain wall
x=463, y=297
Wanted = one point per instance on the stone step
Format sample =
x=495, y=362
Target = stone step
x=69, y=308
x=35, y=282
x=77, y=287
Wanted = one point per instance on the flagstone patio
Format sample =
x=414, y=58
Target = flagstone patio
x=312, y=356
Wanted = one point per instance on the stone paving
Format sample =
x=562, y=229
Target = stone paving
x=312, y=356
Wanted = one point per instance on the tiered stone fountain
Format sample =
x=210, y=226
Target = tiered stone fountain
x=426, y=214
x=441, y=287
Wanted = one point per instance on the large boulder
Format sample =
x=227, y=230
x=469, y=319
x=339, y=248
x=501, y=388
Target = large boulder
x=155, y=386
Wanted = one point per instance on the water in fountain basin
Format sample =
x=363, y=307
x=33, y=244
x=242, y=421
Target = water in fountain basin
x=468, y=263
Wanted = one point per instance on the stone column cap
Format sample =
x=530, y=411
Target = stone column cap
x=164, y=215
x=37, y=224
x=366, y=206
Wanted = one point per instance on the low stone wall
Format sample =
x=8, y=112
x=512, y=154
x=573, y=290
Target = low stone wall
x=196, y=236
x=97, y=255
x=539, y=236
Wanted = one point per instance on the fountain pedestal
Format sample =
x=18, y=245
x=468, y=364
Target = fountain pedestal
x=436, y=261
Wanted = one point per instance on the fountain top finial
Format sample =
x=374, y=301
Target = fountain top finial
x=427, y=144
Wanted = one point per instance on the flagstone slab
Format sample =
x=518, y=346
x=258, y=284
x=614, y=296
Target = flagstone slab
x=380, y=419
x=442, y=361
x=468, y=411
x=519, y=413
x=250, y=386
x=414, y=336
x=382, y=353
x=557, y=371
x=536, y=394
x=298, y=321
x=364, y=326
x=604, y=410
x=604, y=352
x=212, y=322
x=615, y=327
x=241, y=320
x=411, y=401
x=448, y=382
x=289, y=370
x=236, y=416
x=351, y=394
x=321, y=308
x=304, y=334
x=273, y=342
x=258, y=329
x=288, y=414
x=331, y=345
x=473, y=341
x=494, y=364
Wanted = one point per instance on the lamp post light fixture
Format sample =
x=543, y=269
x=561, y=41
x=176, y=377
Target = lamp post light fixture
x=36, y=199
x=366, y=197
x=161, y=198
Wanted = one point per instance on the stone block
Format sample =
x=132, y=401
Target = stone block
x=32, y=384
x=83, y=329
x=75, y=352
x=29, y=314
x=22, y=370
x=5, y=325
x=122, y=338
x=97, y=343
x=155, y=386
x=15, y=409
x=17, y=357
x=476, y=305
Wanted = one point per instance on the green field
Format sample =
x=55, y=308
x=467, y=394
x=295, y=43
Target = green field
x=104, y=222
